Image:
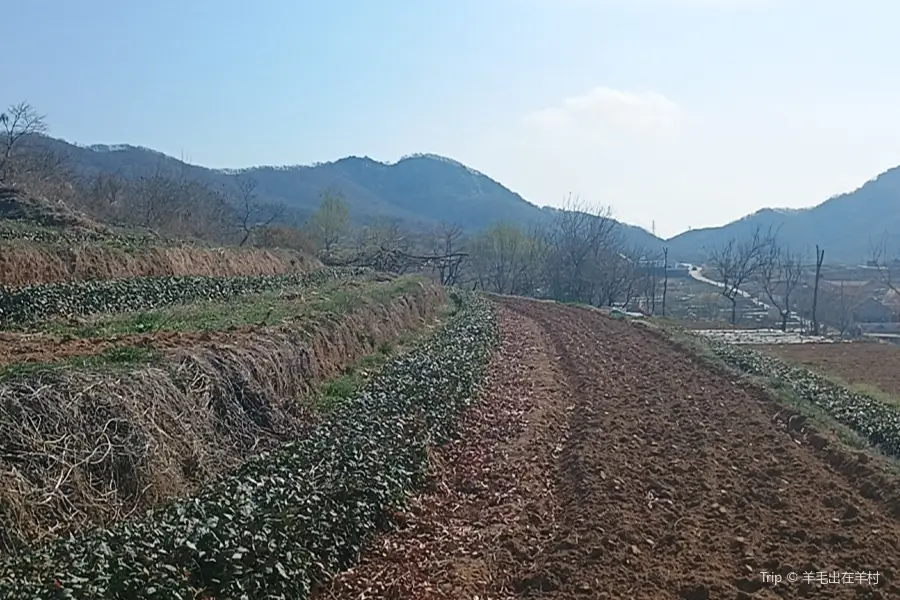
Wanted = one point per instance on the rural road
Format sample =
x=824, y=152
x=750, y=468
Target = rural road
x=697, y=274
x=601, y=461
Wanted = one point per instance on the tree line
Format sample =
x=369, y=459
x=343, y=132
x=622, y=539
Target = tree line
x=579, y=255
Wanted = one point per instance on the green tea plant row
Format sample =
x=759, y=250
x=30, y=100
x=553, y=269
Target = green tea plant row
x=72, y=238
x=874, y=419
x=289, y=520
x=38, y=303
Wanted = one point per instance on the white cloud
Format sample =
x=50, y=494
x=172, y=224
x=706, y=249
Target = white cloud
x=608, y=111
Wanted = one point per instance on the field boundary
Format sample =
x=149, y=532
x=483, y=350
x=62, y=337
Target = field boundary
x=871, y=471
x=264, y=531
x=92, y=446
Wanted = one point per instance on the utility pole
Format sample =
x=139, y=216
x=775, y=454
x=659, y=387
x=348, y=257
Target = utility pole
x=820, y=256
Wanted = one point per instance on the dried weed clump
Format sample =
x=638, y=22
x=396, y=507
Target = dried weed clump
x=25, y=263
x=89, y=447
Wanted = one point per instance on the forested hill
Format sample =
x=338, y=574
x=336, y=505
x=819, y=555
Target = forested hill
x=847, y=225
x=419, y=190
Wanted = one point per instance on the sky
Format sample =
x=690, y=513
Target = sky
x=676, y=114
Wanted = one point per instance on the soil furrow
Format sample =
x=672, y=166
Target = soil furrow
x=604, y=462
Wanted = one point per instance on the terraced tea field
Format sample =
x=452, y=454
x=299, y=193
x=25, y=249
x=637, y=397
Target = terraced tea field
x=218, y=446
x=120, y=395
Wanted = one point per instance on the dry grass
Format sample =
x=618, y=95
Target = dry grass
x=81, y=448
x=48, y=242
x=18, y=206
x=26, y=263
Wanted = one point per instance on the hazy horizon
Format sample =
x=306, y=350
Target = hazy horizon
x=689, y=113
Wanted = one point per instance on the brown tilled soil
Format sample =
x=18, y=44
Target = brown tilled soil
x=25, y=263
x=868, y=363
x=604, y=462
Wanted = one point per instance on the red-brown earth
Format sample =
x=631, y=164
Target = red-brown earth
x=602, y=461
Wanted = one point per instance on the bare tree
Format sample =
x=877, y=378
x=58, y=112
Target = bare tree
x=500, y=258
x=780, y=273
x=653, y=281
x=842, y=310
x=251, y=214
x=888, y=265
x=385, y=246
x=449, y=259
x=618, y=276
x=330, y=224
x=103, y=194
x=737, y=262
x=19, y=120
x=579, y=242
x=649, y=284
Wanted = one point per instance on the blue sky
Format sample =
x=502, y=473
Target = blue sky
x=688, y=113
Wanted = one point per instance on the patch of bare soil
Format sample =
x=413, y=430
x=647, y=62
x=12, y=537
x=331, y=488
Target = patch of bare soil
x=868, y=363
x=603, y=462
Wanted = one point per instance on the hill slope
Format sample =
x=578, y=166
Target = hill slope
x=845, y=225
x=420, y=190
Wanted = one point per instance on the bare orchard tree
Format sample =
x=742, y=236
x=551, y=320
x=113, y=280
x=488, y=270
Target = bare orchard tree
x=250, y=213
x=888, y=265
x=779, y=276
x=737, y=262
x=652, y=283
x=845, y=305
x=618, y=276
x=19, y=120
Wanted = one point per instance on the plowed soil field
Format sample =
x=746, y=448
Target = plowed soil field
x=868, y=363
x=601, y=461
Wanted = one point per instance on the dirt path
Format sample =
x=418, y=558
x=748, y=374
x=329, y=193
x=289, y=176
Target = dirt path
x=603, y=463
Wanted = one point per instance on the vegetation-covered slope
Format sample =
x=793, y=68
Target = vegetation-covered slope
x=848, y=223
x=418, y=190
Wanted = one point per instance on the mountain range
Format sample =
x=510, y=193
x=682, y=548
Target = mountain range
x=423, y=189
